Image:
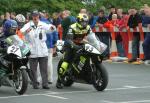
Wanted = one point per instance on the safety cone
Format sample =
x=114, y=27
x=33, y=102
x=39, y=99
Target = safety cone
x=113, y=49
x=97, y=28
x=141, y=42
x=130, y=35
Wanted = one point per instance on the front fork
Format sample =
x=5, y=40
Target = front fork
x=93, y=62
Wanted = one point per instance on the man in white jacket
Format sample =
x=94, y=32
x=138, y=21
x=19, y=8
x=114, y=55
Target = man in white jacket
x=35, y=31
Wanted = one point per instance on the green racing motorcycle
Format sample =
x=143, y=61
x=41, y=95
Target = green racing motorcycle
x=87, y=66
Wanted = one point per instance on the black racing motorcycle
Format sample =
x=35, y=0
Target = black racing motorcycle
x=14, y=63
x=87, y=66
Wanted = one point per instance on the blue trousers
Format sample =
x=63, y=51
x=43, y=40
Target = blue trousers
x=146, y=46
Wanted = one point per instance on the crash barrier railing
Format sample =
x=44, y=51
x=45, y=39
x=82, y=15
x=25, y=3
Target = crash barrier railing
x=128, y=31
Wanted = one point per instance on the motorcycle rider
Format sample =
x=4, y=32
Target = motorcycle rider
x=73, y=42
x=9, y=28
x=20, y=21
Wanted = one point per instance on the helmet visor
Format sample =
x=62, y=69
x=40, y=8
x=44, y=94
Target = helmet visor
x=84, y=23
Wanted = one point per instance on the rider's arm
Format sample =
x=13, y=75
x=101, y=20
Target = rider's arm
x=26, y=28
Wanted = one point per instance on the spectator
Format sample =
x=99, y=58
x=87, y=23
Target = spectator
x=56, y=19
x=134, y=21
x=13, y=15
x=123, y=27
x=112, y=11
x=7, y=17
x=66, y=22
x=119, y=13
x=115, y=23
x=91, y=19
x=146, y=43
x=35, y=31
x=28, y=17
x=44, y=17
x=84, y=11
x=1, y=23
x=103, y=36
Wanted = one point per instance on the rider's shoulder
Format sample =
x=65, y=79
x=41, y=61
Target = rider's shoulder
x=73, y=25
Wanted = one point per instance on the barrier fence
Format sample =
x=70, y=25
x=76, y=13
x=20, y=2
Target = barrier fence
x=128, y=31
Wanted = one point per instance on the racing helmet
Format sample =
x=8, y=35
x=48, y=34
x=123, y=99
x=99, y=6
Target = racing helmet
x=82, y=20
x=20, y=20
x=10, y=27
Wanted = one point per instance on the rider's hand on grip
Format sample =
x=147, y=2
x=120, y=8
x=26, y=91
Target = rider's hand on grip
x=80, y=49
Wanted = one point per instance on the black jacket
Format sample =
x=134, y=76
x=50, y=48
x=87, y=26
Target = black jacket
x=134, y=20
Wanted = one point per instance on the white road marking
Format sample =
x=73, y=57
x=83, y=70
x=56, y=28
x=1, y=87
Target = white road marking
x=105, y=101
x=19, y=96
x=70, y=92
x=140, y=101
x=52, y=93
x=59, y=97
x=130, y=86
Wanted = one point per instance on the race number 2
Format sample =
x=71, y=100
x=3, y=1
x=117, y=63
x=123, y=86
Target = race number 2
x=14, y=49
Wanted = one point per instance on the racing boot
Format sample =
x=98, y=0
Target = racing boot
x=61, y=72
x=59, y=84
x=60, y=79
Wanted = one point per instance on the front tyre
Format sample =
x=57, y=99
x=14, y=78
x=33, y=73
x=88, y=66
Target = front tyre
x=21, y=81
x=100, y=77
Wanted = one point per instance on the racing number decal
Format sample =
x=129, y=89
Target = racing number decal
x=14, y=49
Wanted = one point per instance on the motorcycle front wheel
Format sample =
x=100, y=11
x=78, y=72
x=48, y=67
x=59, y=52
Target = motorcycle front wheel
x=20, y=81
x=100, y=77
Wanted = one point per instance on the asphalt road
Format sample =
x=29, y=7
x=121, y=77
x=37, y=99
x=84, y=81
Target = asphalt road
x=128, y=83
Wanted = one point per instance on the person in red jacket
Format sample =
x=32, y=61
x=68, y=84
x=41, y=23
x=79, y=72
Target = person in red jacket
x=115, y=22
x=123, y=28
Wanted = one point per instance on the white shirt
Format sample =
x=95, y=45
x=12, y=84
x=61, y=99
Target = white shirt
x=38, y=47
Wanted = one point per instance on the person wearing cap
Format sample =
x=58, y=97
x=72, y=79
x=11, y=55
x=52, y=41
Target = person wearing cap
x=35, y=31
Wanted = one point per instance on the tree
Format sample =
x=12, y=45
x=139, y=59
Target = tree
x=22, y=6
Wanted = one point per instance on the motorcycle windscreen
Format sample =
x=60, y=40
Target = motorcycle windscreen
x=15, y=40
x=94, y=41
